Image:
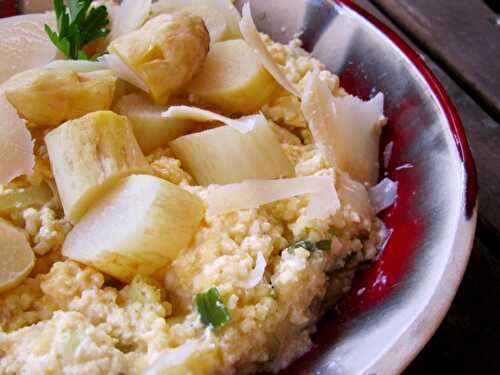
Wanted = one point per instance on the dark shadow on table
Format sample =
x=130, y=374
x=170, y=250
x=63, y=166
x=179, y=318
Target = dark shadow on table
x=468, y=340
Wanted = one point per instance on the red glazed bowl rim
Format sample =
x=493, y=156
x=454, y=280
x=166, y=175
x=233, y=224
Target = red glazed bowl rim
x=408, y=345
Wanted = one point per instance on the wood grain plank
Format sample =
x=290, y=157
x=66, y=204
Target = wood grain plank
x=463, y=35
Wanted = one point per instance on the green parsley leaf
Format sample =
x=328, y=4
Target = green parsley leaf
x=323, y=245
x=77, y=27
x=212, y=311
x=308, y=245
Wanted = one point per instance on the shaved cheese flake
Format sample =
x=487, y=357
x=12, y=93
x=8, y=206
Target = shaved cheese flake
x=243, y=124
x=129, y=16
x=388, y=154
x=123, y=71
x=257, y=273
x=359, y=125
x=24, y=43
x=383, y=194
x=252, y=37
x=355, y=194
x=384, y=235
x=346, y=129
x=320, y=115
x=249, y=194
x=172, y=357
x=81, y=66
x=16, y=146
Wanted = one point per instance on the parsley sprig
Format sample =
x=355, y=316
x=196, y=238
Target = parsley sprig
x=212, y=311
x=77, y=27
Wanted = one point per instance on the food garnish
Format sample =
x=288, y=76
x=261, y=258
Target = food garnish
x=383, y=194
x=24, y=43
x=16, y=146
x=252, y=37
x=324, y=245
x=80, y=66
x=243, y=124
x=346, y=129
x=212, y=311
x=256, y=274
x=172, y=359
x=323, y=200
x=151, y=129
x=129, y=16
x=310, y=246
x=123, y=71
x=307, y=245
x=77, y=26
x=355, y=194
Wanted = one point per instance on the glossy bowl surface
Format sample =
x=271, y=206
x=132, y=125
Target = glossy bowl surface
x=398, y=302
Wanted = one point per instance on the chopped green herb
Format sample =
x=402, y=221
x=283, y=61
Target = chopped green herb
x=77, y=27
x=334, y=232
x=308, y=245
x=324, y=245
x=349, y=258
x=212, y=311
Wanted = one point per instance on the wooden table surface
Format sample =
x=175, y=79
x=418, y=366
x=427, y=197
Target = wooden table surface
x=460, y=42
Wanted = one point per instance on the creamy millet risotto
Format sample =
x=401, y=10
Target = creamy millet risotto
x=179, y=194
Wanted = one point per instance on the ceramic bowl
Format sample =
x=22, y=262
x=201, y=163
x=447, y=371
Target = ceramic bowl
x=397, y=304
x=399, y=301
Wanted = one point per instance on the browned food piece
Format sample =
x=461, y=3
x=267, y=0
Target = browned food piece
x=89, y=155
x=50, y=97
x=165, y=53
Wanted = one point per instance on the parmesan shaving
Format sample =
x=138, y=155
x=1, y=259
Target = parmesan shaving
x=81, y=66
x=172, y=357
x=346, y=129
x=320, y=115
x=123, y=71
x=388, y=154
x=383, y=194
x=16, y=146
x=24, y=43
x=243, y=124
x=129, y=16
x=252, y=37
x=257, y=273
x=355, y=195
x=250, y=194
